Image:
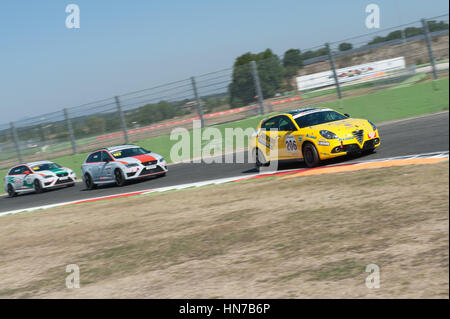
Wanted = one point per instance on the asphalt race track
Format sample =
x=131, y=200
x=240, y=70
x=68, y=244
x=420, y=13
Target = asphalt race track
x=424, y=134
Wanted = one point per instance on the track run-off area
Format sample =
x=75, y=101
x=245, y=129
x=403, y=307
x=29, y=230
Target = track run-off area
x=421, y=137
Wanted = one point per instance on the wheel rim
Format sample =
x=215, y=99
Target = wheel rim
x=258, y=163
x=10, y=190
x=88, y=181
x=118, y=177
x=37, y=185
x=308, y=156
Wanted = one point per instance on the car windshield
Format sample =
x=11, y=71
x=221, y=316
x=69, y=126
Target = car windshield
x=45, y=167
x=127, y=152
x=319, y=118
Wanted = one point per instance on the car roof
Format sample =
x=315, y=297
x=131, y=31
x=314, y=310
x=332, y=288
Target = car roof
x=39, y=163
x=120, y=147
x=32, y=164
x=302, y=112
x=115, y=148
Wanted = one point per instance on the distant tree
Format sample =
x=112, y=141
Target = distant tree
x=292, y=57
x=433, y=25
x=270, y=70
x=412, y=31
x=307, y=55
x=292, y=61
x=376, y=40
x=345, y=46
x=320, y=52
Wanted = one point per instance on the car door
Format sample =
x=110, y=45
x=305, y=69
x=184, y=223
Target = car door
x=288, y=147
x=93, y=164
x=267, y=140
x=106, y=169
x=17, y=177
x=28, y=177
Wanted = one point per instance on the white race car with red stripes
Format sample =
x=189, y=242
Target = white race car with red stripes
x=119, y=164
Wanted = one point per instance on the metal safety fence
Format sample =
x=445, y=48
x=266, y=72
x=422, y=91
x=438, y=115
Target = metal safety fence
x=328, y=73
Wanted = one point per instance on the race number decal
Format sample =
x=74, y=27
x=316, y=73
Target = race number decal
x=291, y=144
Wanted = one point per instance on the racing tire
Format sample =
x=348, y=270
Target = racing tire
x=369, y=151
x=37, y=186
x=310, y=155
x=119, y=177
x=89, y=182
x=260, y=159
x=11, y=191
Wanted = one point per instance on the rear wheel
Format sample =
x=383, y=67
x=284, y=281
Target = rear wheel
x=310, y=155
x=260, y=159
x=37, y=186
x=89, y=182
x=11, y=191
x=119, y=177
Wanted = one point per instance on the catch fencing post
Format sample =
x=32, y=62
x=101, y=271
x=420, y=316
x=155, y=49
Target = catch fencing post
x=16, y=141
x=197, y=99
x=69, y=128
x=122, y=119
x=430, y=49
x=336, y=79
x=257, y=86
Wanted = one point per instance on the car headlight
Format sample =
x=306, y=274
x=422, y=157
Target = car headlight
x=162, y=159
x=373, y=125
x=48, y=176
x=328, y=135
x=132, y=165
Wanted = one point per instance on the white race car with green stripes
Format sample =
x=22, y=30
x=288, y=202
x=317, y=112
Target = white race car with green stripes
x=37, y=177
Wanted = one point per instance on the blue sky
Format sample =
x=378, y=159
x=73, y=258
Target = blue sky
x=124, y=46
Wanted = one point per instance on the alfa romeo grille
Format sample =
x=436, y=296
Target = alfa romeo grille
x=359, y=135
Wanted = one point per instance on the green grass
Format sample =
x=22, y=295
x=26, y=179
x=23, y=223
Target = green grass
x=422, y=98
x=412, y=80
x=334, y=91
x=400, y=102
x=427, y=64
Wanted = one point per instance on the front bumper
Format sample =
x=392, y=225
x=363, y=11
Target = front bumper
x=337, y=148
x=56, y=182
x=145, y=171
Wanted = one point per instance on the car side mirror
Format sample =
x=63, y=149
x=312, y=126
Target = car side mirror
x=346, y=114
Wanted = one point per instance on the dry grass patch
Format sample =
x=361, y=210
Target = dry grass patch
x=302, y=237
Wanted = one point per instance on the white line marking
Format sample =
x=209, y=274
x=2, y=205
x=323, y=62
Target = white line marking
x=443, y=154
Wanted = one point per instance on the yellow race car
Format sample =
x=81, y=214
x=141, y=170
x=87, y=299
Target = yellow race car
x=311, y=134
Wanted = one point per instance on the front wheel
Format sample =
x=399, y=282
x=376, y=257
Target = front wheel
x=119, y=177
x=38, y=187
x=11, y=191
x=311, y=156
x=260, y=159
x=88, y=181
